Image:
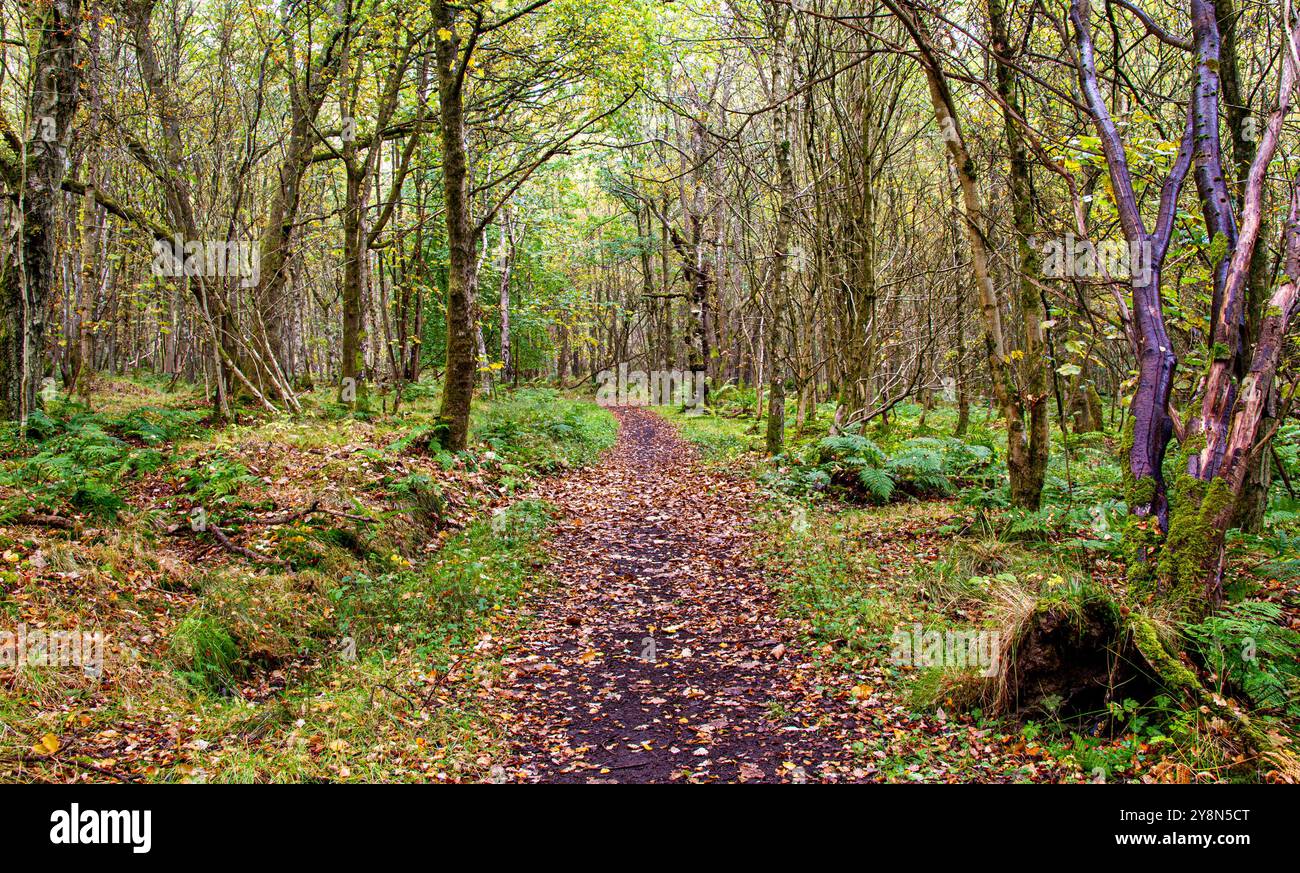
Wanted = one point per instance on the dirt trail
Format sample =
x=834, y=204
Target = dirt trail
x=661, y=656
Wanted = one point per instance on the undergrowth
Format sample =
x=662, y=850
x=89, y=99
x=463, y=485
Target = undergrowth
x=350, y=650
x=979, y=563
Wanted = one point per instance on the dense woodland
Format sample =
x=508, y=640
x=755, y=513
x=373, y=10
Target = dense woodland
x=1067, y=228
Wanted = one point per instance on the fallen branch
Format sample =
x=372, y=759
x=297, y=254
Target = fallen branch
x=31, y=760
x=253, y=555
x=39, y=519
x=438, y=683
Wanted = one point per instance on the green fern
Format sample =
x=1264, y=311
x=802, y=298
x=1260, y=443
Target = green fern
x=153, y=425
x=851, y=448
x=878, y=483
x=217, y=479
x=921, y=469
x=1249, y=650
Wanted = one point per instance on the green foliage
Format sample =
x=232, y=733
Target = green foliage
x=80, y=462
x=41, y=426
x=422, y=438
x=719, y=438
x=741, y=397
x=922, y=469
x=422, y=495
x=540, y=430
x=821, y=580
x=216, y=480
x=155, y=425
x=807, y=482
x=1287, y=447
x=958, y=459
x=441, y=605
x=918, y=467
x=76, y=469
x=852, y=449
x=879, y=484
x=1285, y=568
x=205, y=653
x=418, y=391
x=1246, y=647
x=984, y=499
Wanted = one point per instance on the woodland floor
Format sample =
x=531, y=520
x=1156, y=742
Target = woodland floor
x=661, y=654
x=655, y=613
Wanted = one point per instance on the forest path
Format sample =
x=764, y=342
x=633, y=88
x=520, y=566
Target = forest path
x=661, y=655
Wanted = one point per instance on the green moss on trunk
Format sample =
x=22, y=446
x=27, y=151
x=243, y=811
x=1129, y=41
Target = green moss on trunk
x=1142, y=538
x=1192, y=549
x=1171, y=671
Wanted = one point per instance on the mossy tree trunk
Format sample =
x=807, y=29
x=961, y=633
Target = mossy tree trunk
x=1150, y=427
x=462, y=278
x=1211, y=489
x=29, y=278
x=1225, y=440
x=777, y=292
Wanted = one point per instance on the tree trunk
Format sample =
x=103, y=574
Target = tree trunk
x=353, y=363
x=1020, y=460
x=775, y=434
x=462, y=278
x=1233, y=408
x=1151, y=424
x=777, y=292
x=1249, y=514
x=507, y=264
x=1026, y=477
x=28, y=281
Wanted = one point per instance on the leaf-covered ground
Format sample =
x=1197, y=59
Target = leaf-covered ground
x=326, y=645
x=530, y=610
x=662, y=654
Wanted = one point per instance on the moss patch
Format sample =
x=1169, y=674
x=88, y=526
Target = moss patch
x=1167, y=667
x=1193, y=544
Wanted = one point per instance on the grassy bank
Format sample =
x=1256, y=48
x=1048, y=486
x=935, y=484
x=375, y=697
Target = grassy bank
x=901, y=526
x=289, y=599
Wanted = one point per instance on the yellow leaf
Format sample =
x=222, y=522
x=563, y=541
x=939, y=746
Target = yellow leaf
x=48, y=745
x=444, y=34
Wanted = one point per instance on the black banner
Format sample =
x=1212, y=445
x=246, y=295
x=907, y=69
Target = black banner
x=146, y=824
